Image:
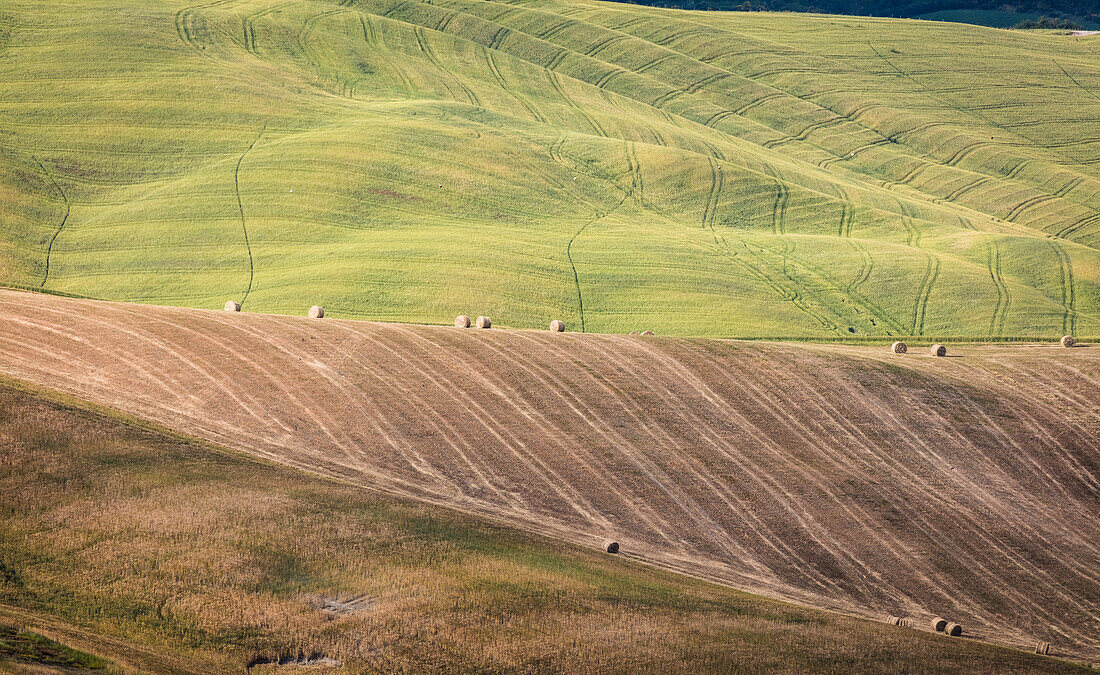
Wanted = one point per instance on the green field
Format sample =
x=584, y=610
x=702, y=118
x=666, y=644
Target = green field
x=615, y=166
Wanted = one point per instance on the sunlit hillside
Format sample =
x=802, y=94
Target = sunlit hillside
x=615, y=166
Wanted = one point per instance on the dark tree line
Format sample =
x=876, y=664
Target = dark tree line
x=1055, y=13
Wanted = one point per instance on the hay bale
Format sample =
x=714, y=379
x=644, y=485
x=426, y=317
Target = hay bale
x=938, y=624
x=633, y=332
x=953, y=629
x=462, y=321
x=1068, y=341
x=557, y=326
x=1042, y=648
x=894, y=621
x=899, y=347
x=232, y=306
x=939, y=350
x=484, y=322
x=611, y=546
x=647, y=332
x=316, y=312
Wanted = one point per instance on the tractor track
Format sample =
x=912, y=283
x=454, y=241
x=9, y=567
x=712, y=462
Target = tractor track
x=60, y=226
x=924, y=292
x=1004, y=298
x=1069, y=300
x=240, y=209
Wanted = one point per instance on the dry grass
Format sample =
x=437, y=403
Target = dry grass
x=218, y=561
x=833, y=476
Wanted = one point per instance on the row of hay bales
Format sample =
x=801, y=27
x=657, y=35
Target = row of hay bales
x=941, y=625
x=463, y=321
x=900, y=347
x=938, y=624
x=314, y=312
x=558, y=326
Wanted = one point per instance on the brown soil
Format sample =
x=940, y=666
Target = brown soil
x=843, y=477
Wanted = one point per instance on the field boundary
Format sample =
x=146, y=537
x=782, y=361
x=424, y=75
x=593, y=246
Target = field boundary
x=824, y=339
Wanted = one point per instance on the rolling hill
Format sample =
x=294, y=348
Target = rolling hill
x=616, y=166
x=167, y=555
x=842, y=477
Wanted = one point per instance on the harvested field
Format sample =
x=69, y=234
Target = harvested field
x=835, y=476
x=175, y=557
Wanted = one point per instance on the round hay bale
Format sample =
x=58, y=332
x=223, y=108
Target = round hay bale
x=484, y=322
x=899, y=347
x=611, y=546
x=894, y=621
x=939, y=350
x=1068, y=341
x=462, y=321
x=953, y=629
x=232, y=306
x=633, y=332
x=316, y=312
x=1042, y=648
x=647, y=332
x=557, y=326
x=938, y=624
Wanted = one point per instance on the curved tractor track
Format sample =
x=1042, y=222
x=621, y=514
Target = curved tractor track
x=842, y=477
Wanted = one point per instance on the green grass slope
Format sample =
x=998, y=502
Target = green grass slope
x=23, y=651
x=189, y=558
x=618, y=167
